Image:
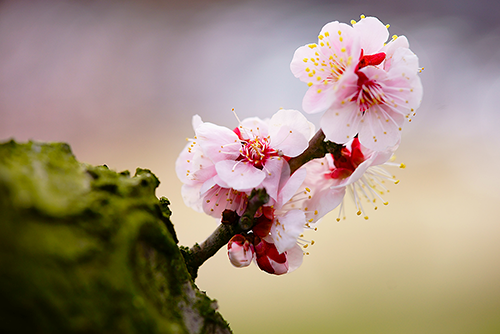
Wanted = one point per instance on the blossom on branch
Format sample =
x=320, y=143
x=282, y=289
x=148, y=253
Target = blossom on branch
x=254, y=154
x=356, y=169
x=365, y=86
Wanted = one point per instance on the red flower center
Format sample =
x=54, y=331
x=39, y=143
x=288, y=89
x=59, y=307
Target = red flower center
x=347, y=161
x=369, y=92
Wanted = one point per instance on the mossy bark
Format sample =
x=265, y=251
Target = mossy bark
x=84, y=249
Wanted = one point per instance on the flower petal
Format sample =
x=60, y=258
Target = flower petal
x=341, y=125
x=240, y=175
x=290, y=132
x=218, y=143
x=272, y=170
x=287, y=228
x=373, y=34
x=294, y=257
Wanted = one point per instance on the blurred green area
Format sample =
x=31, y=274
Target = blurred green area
x=84, y=249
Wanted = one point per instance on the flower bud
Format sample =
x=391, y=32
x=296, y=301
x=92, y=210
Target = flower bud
x=240, y=251
x=269, y=259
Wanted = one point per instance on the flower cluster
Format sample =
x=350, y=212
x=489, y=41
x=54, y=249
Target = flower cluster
x=366, y=88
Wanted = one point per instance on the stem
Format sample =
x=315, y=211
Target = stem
x=316, y=149
x=232, y=225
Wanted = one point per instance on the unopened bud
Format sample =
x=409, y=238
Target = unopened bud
x=240, y=251
x=269, y=259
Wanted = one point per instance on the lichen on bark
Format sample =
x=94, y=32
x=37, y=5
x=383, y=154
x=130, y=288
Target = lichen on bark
x=84, y=249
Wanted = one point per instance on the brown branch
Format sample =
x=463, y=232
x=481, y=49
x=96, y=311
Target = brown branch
x=231, y=225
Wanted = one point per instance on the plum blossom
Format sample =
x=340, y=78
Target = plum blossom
x=355, y=169
x=202, y=190
x=365, y=86
x=254, y=154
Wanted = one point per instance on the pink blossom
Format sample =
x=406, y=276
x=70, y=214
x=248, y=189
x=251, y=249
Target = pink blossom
x=202, y=189
x=254, y=154
x=366, y=87
x=355, y=169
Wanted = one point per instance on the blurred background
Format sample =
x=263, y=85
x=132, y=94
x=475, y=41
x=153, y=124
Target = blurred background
x=120, y=81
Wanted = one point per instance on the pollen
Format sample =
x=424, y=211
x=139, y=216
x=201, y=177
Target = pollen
x=310, y=84
x=362, y=16
x=343, y=49
x=353, y=22
x=327, y=33
x=319, y=91
x=402, y=166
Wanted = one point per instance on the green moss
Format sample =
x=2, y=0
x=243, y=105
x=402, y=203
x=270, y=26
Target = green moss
x=84, y=249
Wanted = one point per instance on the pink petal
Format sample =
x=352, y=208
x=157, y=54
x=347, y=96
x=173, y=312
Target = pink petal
x=294, y=257
x=239, y=175
x=391, y=47
x=380, y=129
x=322, y=202
x=341, y=125
x=253, y=127
x=272, y=169
x=287, y=228
x=373, y=34
x=291, y=187
x=315, y=102
x=290, y=132
x=191, y=196
x=218, y=143
x=298, y=65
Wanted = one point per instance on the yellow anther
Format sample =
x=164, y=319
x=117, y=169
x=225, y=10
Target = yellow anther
x=312, y=46
x=312, y=242
x=338, y=219
x=366, y=217
x=396, y=182
x=319, y=91
x=310, y=220
x=353, y=22
x=308, y=69
x=387, y=26
x=320, y=37
x=402, y=165
x=318, y=78
x=343, y=49
x=341, y=39
x=362, y=16
x=394, y=36
x=308, y=190
x=358, y=213
x=315, y=212
x=310, y=84
x=327, y=33
x=305, y=60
